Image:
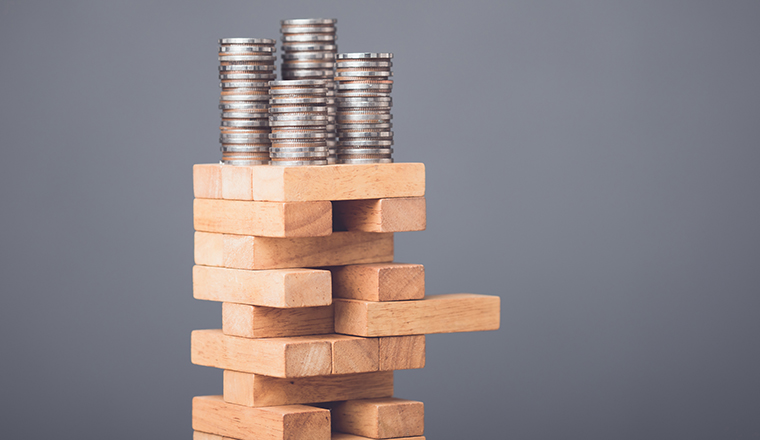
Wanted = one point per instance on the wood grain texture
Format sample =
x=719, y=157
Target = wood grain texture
x=269, y=288
x=339, y=182
x=299, y=356
x=268, y=219
x=379, y=281
x=351, y=354
x=458, y=312
x=379, y=418
x=344, y=436
x=198, y=435
x=256, y=390
x=249, y=252
x=380, y=215
x=213, y=415
x=207, y=181
x=401, y=352
x=248, y=321
x=237, y=182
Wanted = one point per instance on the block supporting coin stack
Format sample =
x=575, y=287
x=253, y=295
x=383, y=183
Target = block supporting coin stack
x=316, y=313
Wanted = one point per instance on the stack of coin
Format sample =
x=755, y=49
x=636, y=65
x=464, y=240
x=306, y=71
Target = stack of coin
x=308, y=52
x=364, y=107
x=246, y=65
x=298, y=117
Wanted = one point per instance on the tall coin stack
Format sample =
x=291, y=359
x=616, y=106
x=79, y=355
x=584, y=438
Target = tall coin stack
x=298, y=117
x=308, y=52
x=364, y=107
x=246, y=65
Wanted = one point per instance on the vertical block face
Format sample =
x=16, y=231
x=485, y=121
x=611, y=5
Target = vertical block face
x=268, y=219
x=207, y=181
x=458, y=312
x=270, y=288
x=248, y=321
x=293, y=422
x=343, y=436
x=353, y=354
x=380, y=215
x=339, y=182
x=379, y=281
x=401, y=352
x=237, y=182
x=257, y=391
x=379, y=418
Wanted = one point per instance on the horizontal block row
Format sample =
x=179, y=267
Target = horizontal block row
x=197, y=435
x=309, y=183
x=308, y=219
x=305, y=356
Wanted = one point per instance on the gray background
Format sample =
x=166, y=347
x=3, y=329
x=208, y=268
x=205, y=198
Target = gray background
x=594, y=163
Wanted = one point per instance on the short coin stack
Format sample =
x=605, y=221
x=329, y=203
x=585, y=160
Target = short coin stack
x=246, y=65
x=309, y=47
x=364, y=107
x=298, y=117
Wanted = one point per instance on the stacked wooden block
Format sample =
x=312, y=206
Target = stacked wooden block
x=316, y=315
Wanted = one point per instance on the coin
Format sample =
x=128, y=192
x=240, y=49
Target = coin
x=363, y=64
x=248, y=41
x=365, y=151
x=302, y=56
x=363, y=55
x=316, y=135
x=240, y=50
x=364, y=161
x=246, y=67
x=308, y=38
x=357, y=143
x=309, y=47
x=366, y=134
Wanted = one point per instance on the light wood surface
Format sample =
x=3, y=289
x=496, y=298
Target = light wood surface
x=237, y=182
x=339, y=182
x=248, y=252
x=198, y=435
x=207, y=181
x=299, y=356
x=248, y=321
x=270, y=288
x=343, y=436
x=379, y=418
x=379, y=281
x=458, y=312
x=256, y=390
x=213, y=415
x=268, y=219
x=351, y=354
x=380, y=215
x=401, y=352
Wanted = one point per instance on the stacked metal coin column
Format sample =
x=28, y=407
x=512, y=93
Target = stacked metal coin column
x=308, y=52
x=298, y=116
x=246, y=65
x=364, y=107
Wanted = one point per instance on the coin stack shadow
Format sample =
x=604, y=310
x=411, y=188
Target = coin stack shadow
x=308, y=52
x=364, y=107
x=246, y=65
x=298, y=116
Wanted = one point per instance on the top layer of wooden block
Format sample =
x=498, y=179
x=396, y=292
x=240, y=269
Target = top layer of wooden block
x=309, y=183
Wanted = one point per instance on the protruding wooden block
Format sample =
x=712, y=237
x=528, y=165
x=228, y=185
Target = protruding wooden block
x=213, y=415
x=270, y=288
x=237, y=182
x=379, y=418
x=248, y=252
x=343, y=436
x=256, y=390
x=339, y=182
x=299, y=356
x=207, y=181
x=353, y=354
x=379, y=281
x=268, y=219
x=248, y=321
x=457, y=312
x=380, y=215
x=401, y=352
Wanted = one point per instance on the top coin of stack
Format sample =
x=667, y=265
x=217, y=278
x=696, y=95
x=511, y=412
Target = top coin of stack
x=246, y=65
x=364, y=107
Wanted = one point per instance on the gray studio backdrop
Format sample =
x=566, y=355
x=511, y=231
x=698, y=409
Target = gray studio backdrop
x=594, y=163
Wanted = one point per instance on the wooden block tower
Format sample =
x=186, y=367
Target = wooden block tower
x=316, y=315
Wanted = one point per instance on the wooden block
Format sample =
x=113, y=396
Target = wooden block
x=401, y=352
x=379, y=418
x=339, y=182
x=380, y=215
x=198, y=435
x=298, y=356
x=237, y=182
x=351, y=354
x=213, y=415
x=343, y=436
x=248, y=252
x=457, y=312
x=248, y=321
x=270, y=288
x=256, y=390
x=268, y=219
x=207, y=181
x=379, y=281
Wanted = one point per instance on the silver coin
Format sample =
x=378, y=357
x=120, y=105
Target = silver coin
x=365, y=134
x=299, y=83
x=227, y=58
x=315, y=91
x=364, y=151
x=345, y=127
x=363, y=94
x=243, y=98
x=294, y=155
x=307, y=21
x=364, y=86
x=339, y=73
x=297, y=163
x=237, y=138
x=315, y=135
x=307, y=73
x=257, y=143
x=245, y=115
x=244, y=106
x=244, y=84
x=290, y=65
x=239, y=50
x=363, y=55
x=331, y=127
x=244, y=163
x=292, y=56
x=247, y=41
x=303, y=109
x=289, y=124
x=350, y=100
x=308, y=29
x=309, y=38
x=246, y=123
x=298, y=118
x=365, y=117
x=363, y=105
x=331, y=144
x=242, y=149
x=246, y=76
x=362, y=142
x=363, y=64
x=308, y=47
x=298, y=149
x=291, y=101
x=364, y=161
x=331, y=160
x=247, y=67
